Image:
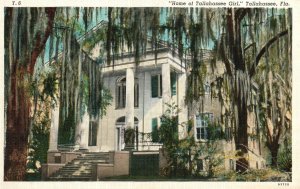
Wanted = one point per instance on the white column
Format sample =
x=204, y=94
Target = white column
x=183, y=114
x=130, y=98
x=84, y=131
x=166, y=85
x=54, y=128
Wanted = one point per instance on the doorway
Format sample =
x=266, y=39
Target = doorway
x=120, y=133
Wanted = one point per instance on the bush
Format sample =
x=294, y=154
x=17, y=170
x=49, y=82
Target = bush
x=285, y=157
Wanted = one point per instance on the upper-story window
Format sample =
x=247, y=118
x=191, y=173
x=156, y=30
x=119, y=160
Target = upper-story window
x=173, y=77
x=136, y=92
x=202, y=121
x=156, y=85
x=121, y=93
x=207, y=87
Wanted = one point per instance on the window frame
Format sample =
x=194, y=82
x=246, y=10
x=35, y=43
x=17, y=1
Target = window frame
x=200, y=165
x=173, y=83
x=136, y=93
x=158, y=84
x=121, y=93
x=207, y=88
x=201, y=129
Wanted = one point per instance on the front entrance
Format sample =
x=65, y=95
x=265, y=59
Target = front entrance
x=120, y=132
x=120, y=143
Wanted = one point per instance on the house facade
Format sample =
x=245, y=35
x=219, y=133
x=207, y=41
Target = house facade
x=140, y=96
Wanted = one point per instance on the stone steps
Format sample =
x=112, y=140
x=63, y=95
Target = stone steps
x=80, y=169
x=70, y=178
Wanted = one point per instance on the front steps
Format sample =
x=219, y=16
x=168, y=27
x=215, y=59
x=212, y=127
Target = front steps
x=81, y=168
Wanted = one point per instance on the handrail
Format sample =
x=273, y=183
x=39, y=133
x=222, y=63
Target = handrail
x=242, y=165
x=249, y=150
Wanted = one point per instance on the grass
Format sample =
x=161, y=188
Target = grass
x=260, y=175
x=263, y=175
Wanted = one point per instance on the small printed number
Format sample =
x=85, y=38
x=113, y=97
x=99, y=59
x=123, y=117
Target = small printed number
x=16, y=2
x=283, y=184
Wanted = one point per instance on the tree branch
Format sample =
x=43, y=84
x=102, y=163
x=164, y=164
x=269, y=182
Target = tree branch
x=40, y=43
x=252, y=44
x=224, y=56
x=264, y=48
x=241, y=13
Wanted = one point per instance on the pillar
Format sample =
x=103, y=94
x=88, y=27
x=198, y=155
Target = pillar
x=130, y=98
x=183, y=114
x=54, y=128
x=129, y=131
x=166, y=85
x=84, y=131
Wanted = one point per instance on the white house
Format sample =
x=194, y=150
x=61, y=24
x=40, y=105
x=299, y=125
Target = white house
x=140, y=94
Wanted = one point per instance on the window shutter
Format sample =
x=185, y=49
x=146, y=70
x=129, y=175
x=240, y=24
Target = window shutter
x=136, y=95
x=160, y=84
x=154, y=86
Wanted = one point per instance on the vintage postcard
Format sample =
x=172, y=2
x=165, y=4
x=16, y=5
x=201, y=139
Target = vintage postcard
x=164, y=94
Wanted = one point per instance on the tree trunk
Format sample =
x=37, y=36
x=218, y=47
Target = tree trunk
x=20, y=60
x=17, y=130
x=234, y=18
x=274, y=147
x=241, y=140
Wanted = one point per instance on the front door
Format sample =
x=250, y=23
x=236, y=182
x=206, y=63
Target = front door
x=120, y=142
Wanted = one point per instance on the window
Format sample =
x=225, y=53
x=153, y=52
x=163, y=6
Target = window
x=121, y=93
x=202, y=121
x=156, y=86
x=136, y=93
x=207, y=88
x=93, y=127
x=200, y=166
x=173, y=76
x=154, y=133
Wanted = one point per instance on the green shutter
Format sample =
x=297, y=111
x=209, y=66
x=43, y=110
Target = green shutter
x=154, y=86
x=173, y=83
x=154, y=130
x=160, y=84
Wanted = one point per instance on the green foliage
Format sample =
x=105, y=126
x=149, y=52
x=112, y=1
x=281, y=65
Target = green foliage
x=49, y=88
x=94, y=38
x=105, y=101
x=129, y=137
x=196, y=80
x=184, y=154
x=39, y=143
x=67, y=129
x=176, y=150
x=285, y=156
x=210, y=150
x=253, y=175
